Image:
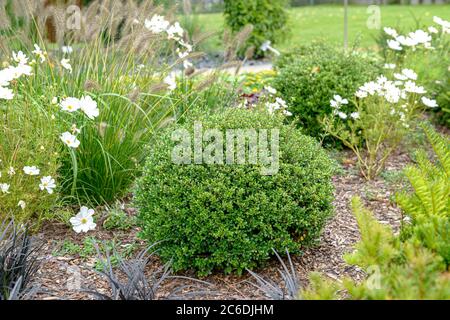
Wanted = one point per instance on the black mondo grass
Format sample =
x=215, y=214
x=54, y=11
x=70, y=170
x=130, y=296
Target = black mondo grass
x=18, y=262
x=130, y=281
x=289, y=289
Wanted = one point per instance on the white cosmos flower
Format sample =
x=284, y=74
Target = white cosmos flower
x=391, y=32
x=394, y=45
x=441, y=22
x=4, y=187
x=70, y=104
x=20, y=57
x=37, y=51
x=382, y=80
x=83, y=221
x=429, y=102
x=187, y=64
x=361, y=94
x=12, y=73
x=6, y=94
x=22, y=204
x=47, y=183
x=66, y=65
x=287, y=113
x=339, y=99
x=157, y=24
x=89, y=107
x=354, y=115
x=370, y=87
x=267, y=45
x=171, y=81
x=281, y=102
x=74, y=129
x=420, y=37
x=31, y=171
x=70, y=140
x=407, y=41
x=392, y=94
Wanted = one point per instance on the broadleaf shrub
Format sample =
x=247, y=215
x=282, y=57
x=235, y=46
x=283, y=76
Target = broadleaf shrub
x=268, y=18
x=229, y=217
x=310, y=75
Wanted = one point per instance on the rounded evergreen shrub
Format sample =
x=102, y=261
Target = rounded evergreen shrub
x=229, y=217
x=268, y=18
x=310, y=76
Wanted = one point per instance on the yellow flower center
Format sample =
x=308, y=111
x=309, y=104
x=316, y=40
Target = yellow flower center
x=83, y=221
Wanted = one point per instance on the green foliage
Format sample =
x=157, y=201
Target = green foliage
x=310, y=76
x=268, y=18
x=429, y=205
x=230, y=217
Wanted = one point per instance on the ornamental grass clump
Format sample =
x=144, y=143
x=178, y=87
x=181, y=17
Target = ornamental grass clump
x=215, y=216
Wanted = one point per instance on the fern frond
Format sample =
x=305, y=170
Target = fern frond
x=441, y=146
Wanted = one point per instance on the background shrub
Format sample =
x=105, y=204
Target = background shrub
x=268, y=18
x=310, y=76
x=229, y=217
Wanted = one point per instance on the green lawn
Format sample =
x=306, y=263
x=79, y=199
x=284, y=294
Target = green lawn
x=326, y=22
